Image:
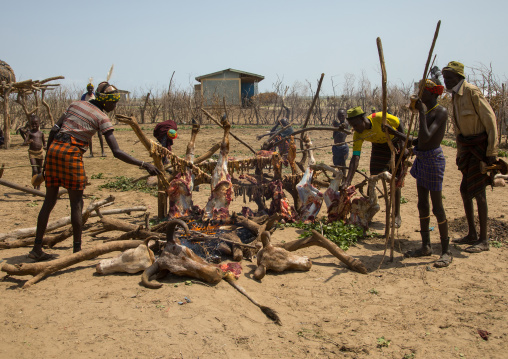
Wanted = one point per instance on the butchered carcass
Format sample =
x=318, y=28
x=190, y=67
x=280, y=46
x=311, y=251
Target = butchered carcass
x=280, y=203
x=278, y=259
x=180, y=260
x=338, y=203
x=180, y=188
x=310, y=197
x=217, y=207
x=131, y=261
x=363, y=209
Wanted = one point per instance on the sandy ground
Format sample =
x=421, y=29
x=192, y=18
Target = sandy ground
x=404, y=309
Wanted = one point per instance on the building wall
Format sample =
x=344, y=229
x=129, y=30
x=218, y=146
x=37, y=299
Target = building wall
x=214, y=90
x=224, y=75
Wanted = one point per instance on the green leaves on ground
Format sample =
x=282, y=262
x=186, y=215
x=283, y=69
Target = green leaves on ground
x=124, y=184
x=383, y=343
x=343, y=235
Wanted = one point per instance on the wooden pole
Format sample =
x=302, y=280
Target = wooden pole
x=420, y=89
x=390, y=223
x=163, y=183
x=307, y=118
x=7, y=120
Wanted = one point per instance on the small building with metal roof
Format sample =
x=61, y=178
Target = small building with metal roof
x=236, y=86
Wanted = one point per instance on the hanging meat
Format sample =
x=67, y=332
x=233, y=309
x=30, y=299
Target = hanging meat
x=217, y=207
x=338, y=202
x=180, y=188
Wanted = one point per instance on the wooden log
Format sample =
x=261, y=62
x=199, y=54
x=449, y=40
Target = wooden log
x=137, y=234
x=29, y=232
x=256, y=228
x=41, y=270
x=27, y=189
x=319, y=240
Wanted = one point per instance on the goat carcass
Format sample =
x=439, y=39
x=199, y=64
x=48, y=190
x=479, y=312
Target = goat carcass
x=278, y=259
x=364, y=209
x=338, y=202
x=310, y=197
x=180, y=260
x=280, y=203
x=180, y=188
x=222, y=188
x=131, y=261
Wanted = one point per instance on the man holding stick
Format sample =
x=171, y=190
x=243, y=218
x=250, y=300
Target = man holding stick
x=476, y=130
x=428, y=169
x=369, y=128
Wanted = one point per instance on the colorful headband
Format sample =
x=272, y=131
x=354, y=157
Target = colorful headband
x=107, y=97
x=172, y=134
x=432, y=87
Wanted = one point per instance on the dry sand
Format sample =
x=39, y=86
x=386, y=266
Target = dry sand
x=329, y=312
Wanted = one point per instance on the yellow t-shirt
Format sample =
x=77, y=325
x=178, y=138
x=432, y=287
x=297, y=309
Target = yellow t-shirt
x=374, y=134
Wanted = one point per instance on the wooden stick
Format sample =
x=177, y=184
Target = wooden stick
x=309, y=113
x=420, y=90
x=314, y=100
x=27, y=189
x=162, y=183
x=232, y=135
x=29, y=232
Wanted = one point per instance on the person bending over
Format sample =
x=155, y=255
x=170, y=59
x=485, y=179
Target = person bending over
x=67, y=142
x=368, y=128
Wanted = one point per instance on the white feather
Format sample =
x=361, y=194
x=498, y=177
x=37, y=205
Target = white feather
x=110, y=72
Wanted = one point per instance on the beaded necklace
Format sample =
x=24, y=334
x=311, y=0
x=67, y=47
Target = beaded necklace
x=432, y=108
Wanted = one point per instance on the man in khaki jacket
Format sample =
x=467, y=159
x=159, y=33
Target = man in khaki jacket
x=476, y=130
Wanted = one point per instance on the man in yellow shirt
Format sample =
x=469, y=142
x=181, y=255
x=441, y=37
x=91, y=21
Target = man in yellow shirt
x=476, y=130
x=368, y=128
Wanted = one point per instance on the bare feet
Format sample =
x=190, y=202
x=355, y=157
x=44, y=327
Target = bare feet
x=469, y=239
x=420, y=252
x=478, y=247
x=103, y=154
x=444, y=260
x=90, y=155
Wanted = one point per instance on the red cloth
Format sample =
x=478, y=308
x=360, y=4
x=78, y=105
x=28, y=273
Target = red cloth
x=162, y=128
x=438, y=89
x=160, y=132
x=64, y=165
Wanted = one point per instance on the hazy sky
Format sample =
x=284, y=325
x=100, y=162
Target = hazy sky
x=287, y=40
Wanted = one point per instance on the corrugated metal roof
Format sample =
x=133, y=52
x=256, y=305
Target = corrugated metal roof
x=199, y=78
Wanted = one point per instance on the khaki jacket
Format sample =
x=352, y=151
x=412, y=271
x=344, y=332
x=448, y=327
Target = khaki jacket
x=472, y=115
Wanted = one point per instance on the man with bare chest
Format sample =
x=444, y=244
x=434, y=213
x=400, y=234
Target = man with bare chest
x=36, y=142
x=428, y=170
